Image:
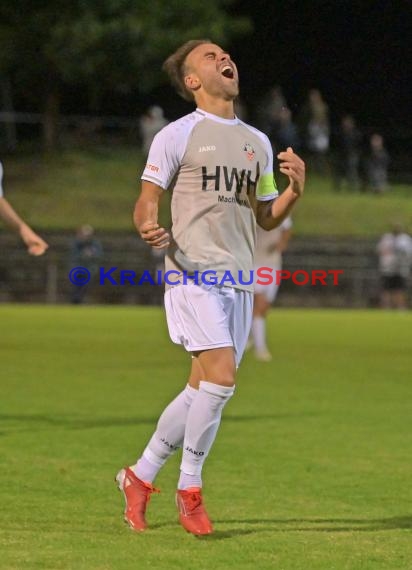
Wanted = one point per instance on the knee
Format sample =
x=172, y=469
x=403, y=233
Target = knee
x=228, y=381
x=219, y=393
x=219, y=366
x=221, y=372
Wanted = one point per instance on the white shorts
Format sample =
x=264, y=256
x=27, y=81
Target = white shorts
x=268, y=291
x=202, y=317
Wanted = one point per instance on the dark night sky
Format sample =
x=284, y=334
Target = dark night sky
x=355, y=51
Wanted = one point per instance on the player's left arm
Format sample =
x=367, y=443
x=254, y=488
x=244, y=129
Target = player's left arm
x=270, y=214
x=35, y=244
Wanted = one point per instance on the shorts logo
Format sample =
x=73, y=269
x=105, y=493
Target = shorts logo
x=250, y=151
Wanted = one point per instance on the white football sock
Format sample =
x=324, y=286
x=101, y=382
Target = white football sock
x=201, y=427
x=168, y=436
x=259, y=333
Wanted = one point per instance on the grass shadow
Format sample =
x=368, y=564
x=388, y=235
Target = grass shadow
x=402, y=522
x=72, y=422
x=278, y=525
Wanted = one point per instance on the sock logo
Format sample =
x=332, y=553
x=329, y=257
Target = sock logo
x=197, y=453
x=169, y=445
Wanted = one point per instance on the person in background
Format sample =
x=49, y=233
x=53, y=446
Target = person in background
x=240, y=109
x=269, y=249
x=286, y=133
x=377, y=162
x=269, y=111
x=395, y=259
x=35, y=244
x=151, y=123
x=348, y=152
x=158, y=265
x=316, y=129
x=86, y=252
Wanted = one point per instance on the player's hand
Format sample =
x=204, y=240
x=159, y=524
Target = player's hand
x=35, y=244
x=154, y=235
x=294, y=168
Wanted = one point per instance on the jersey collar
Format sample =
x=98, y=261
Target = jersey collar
x=234, y=121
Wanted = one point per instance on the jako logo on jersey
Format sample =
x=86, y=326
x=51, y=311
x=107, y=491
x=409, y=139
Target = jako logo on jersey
x=233, y=178
x=207, y=148
x=250, y=151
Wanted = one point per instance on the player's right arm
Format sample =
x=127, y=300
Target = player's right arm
x=146, y=216
x=163, y=162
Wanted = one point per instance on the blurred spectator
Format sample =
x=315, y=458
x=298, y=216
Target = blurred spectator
x=240, y=109
x=316, y=128
x=158, y=262
x=150, y=124
x=376, y=165
x=348, y=152
x=286, y=133
x=395, y=260
x=86, y=252
x=270, y=109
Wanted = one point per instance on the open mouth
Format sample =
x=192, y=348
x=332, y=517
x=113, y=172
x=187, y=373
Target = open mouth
x=227, y=71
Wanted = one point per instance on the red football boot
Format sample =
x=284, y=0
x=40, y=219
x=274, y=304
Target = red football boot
x=136, y=495
x=192, y=513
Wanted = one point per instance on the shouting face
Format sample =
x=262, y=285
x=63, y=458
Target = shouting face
x=209, y=69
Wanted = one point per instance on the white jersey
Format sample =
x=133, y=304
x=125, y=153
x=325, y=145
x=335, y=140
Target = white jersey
x=267, y=254
x=217, y=169
x=395, y=254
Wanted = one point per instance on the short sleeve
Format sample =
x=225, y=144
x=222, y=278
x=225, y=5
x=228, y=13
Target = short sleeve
x=165, y=156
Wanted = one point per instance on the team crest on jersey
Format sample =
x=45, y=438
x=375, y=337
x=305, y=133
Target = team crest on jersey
x=250, y=151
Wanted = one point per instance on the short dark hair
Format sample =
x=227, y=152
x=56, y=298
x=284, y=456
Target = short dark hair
x=174, y=66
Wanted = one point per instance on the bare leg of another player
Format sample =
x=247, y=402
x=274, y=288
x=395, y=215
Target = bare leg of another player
x=386, y=299
x=400, y=299
x=261, y=307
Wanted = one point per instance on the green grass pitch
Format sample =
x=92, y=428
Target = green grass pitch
x=311, y=469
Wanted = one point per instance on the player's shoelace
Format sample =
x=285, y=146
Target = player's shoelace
x=131, y=478
x=191, y=502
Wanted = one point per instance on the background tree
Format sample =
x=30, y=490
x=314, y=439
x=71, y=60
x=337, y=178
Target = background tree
x=48, y=45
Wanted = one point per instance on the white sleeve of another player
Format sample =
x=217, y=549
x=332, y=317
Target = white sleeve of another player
x=287, y=223
x=165, y=156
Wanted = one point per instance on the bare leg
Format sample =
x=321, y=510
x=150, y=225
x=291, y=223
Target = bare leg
x=260, y=309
